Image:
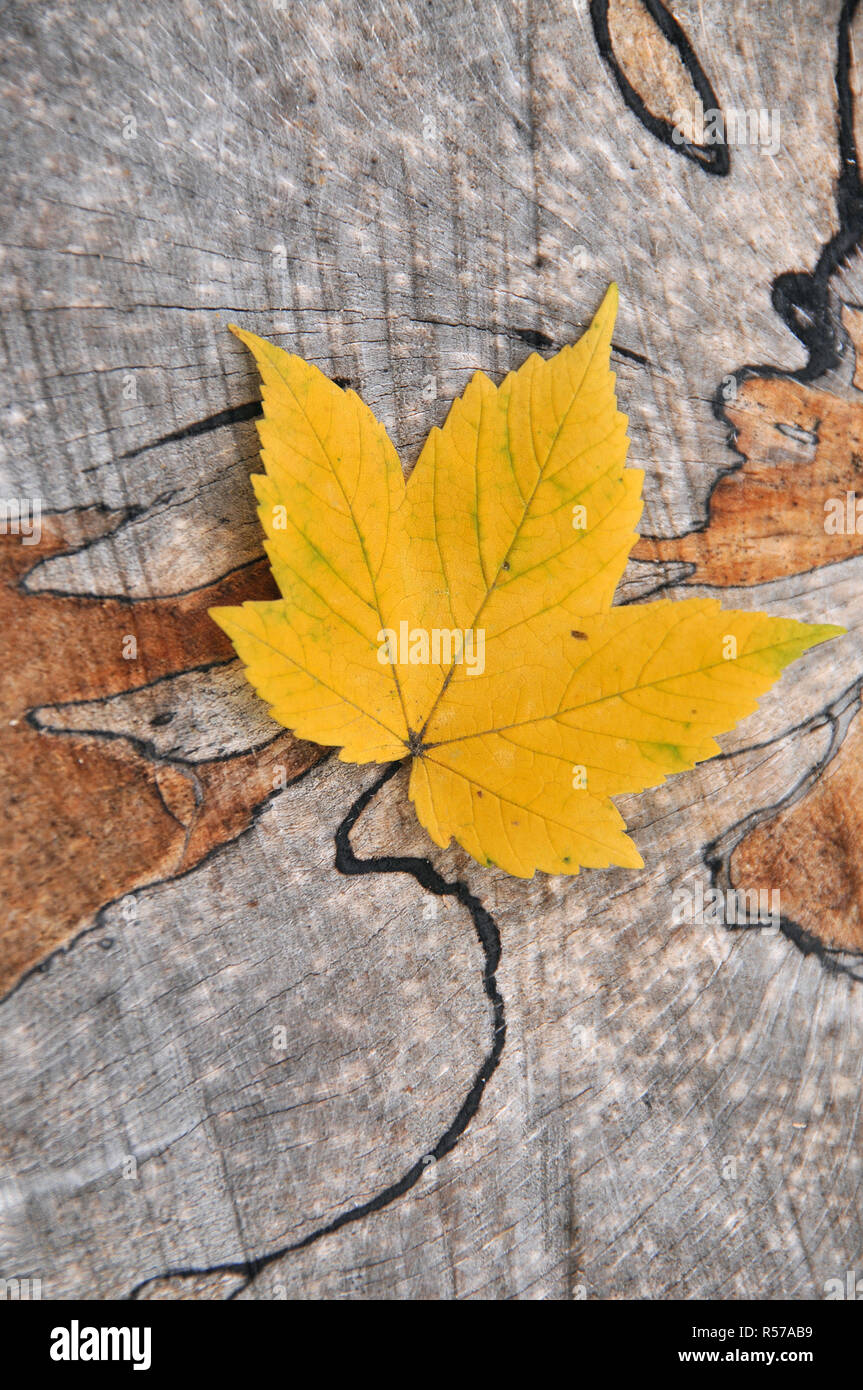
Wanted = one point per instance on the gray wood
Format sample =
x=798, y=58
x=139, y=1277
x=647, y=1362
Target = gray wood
x=401, y=193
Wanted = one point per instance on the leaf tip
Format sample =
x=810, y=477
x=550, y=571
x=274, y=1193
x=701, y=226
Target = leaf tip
x=604, y=318
x=248, y=339
x=825, y=632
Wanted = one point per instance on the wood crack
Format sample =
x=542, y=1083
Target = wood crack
x=488, y=936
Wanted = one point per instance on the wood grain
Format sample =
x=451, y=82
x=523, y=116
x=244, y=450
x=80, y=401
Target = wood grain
x=232, y=1067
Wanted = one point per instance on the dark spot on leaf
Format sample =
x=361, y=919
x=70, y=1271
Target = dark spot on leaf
x=582, y=636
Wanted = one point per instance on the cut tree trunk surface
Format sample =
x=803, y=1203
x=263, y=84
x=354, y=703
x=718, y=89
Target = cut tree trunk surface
x=260, y=1038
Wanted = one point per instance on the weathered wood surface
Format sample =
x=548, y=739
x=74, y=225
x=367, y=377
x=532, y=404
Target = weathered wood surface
x=215, y=1044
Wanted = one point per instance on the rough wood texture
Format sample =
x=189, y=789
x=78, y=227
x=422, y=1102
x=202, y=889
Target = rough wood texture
x=232, y=1067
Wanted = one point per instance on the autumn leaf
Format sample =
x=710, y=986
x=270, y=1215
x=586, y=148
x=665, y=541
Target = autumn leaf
x=465, y=619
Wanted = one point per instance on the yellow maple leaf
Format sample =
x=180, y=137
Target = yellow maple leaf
x=464, y=619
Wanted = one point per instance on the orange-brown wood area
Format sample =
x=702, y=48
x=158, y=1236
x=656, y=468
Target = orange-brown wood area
x=801, y=447
x=86, y=819
x=811, y=852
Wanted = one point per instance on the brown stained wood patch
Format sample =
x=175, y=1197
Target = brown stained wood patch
x=811, y=853
x=801, y=446
x=86, y=819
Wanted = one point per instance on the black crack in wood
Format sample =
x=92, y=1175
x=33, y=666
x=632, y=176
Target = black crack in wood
x=235, y=415
x=801, y=298
x=488, y=936
x=534, y=338
x=713, y=159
